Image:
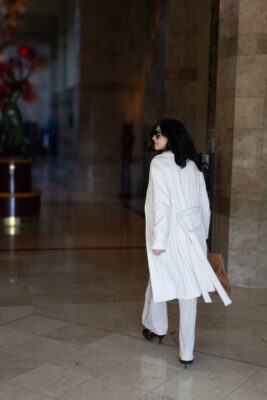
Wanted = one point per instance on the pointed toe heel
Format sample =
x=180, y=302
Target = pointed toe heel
x=160, y=338
x=149, y=335
x=186, y=363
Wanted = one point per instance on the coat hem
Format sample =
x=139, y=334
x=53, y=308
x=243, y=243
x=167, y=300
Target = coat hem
x=176, y=297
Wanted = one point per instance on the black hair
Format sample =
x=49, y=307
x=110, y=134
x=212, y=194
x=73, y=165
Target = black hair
x=179, y=142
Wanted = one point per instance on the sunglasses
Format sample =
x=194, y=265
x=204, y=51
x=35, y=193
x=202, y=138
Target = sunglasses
x=157, y=134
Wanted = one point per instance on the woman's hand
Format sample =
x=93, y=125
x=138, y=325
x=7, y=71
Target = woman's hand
x=158, y=252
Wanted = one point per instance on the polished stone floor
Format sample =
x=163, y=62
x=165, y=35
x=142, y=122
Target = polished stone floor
x=71, y=296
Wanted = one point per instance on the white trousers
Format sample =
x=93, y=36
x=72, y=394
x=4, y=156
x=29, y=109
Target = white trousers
x=155, y=318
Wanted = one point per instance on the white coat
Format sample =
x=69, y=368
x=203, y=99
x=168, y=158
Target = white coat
x=177, y=220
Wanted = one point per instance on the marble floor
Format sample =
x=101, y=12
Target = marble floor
x=71, y=295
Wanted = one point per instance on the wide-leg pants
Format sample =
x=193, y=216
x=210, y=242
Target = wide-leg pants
x=155, y=318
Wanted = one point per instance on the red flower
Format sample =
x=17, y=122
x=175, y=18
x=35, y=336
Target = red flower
x=26, y=52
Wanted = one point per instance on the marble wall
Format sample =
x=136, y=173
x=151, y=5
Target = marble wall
x=156, y=61
x=111, y=89
x=188, y=66
x=155, y=76
x=240, y=141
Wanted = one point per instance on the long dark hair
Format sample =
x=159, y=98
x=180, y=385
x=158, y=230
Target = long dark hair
x=179, y=142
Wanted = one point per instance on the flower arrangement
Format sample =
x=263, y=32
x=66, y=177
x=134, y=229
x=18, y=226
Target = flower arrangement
x=16, y=72
x=14, y=82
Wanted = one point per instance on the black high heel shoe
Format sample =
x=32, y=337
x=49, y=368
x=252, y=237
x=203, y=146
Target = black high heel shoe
x=149, y=335
x=186, y=363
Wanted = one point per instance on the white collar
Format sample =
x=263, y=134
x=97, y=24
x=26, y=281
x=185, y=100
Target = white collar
x=167, y=153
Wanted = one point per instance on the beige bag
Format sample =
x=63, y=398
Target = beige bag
x=216, y=261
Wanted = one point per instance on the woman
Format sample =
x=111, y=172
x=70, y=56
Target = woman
x=177, y=225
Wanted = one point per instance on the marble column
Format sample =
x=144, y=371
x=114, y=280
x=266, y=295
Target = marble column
x=240, y=217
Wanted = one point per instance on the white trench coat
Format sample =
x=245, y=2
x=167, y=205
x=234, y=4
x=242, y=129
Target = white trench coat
x=177, y=220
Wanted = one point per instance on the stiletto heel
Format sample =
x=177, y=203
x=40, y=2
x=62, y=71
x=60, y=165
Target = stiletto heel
x=186, y=363
x=149, y=335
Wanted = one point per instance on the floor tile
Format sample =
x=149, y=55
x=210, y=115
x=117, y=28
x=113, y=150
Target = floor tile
x=102, y=316
x=187, y=386
x=12, y=337
x=13, y=287
x=258, y=381
x=50, y=351
x=50, y=380
x=95, y=362
x=103, y=389
x=137, y=374
x=246, y=394
x=13, y=365
x=238, y=331
x=140, y=349
x=76, y=334
x=154, y=396
x=67, y=225
x=36, y=324
x=9, y=392
x=12, y=313
x=216, y=341
x=222, y=369
x=56, y=311
x=15, y=300
x=39, y=300
x=92, y=298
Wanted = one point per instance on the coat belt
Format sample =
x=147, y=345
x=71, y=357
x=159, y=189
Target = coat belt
x=190, y=221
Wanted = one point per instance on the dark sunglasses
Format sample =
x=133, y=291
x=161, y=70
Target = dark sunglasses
x=157, y=134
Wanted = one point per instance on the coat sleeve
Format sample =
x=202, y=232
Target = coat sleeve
x=204, y=205
x=161, y=207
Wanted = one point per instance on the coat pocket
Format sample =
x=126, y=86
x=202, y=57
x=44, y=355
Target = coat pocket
x=190, y=219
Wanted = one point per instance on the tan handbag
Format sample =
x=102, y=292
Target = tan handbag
x=216, y=261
